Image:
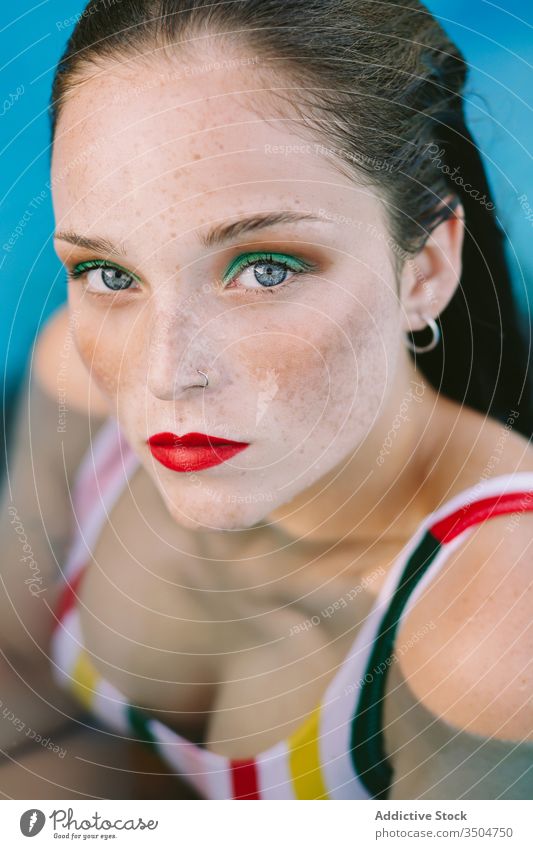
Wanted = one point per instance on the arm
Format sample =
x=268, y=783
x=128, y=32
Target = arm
x=35, y=529
x=458, y=715
x=434, y=760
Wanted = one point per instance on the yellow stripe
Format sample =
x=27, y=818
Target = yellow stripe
x=304, y=760
x=85, y=678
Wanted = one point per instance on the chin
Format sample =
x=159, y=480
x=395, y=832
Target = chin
x=218, y=513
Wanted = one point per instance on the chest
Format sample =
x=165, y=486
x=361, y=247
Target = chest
x=234, y=653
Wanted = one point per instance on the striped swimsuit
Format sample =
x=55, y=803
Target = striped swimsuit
x=338, y=752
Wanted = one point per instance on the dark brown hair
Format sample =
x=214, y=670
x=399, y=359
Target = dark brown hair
x=381, y=84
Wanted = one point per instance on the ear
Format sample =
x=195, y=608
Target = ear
x=430, y=278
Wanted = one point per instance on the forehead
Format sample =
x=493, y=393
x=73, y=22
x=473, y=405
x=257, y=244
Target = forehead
x=191, y=137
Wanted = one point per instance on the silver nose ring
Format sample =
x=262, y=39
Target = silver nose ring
x=206, y=379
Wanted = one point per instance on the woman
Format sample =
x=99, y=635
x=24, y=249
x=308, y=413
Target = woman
x=282, y=576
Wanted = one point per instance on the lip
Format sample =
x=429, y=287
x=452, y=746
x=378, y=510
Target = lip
x=192, y=451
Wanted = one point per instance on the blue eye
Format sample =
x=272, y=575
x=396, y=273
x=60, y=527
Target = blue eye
x=264, y=270
x=108, y=277
x=257, y=271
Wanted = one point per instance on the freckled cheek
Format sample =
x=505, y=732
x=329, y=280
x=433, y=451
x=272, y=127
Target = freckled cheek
x=304, y=366
x=112, y=354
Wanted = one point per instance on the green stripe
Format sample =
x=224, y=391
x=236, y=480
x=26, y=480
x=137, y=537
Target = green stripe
x=368, y=755
x=139, y=723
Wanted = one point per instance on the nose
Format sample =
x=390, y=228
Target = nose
x=179, y=351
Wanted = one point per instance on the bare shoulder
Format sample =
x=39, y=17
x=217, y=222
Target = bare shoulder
x=472, y=668
x=58, y=367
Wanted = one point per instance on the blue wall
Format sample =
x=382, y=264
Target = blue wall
x=497, y=43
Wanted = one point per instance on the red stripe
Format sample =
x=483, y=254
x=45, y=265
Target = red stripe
x=244, y=779
x=68, y=596
x=470, y=514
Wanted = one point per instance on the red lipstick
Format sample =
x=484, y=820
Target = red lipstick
x=192, y=451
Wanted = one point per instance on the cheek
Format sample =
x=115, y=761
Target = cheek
x=110, y=353
x=322, y=365
x=100, y=358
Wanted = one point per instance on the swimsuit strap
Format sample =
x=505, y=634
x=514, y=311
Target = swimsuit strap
x=440, y=534
x=105, y=470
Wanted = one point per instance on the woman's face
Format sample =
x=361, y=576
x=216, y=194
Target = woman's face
x=297, y=324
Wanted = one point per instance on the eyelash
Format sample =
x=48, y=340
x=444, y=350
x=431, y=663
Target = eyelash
x=240, y=264
x=244, y=261
x=82, y=268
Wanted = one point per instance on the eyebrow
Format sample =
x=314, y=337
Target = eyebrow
x=215, y=236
